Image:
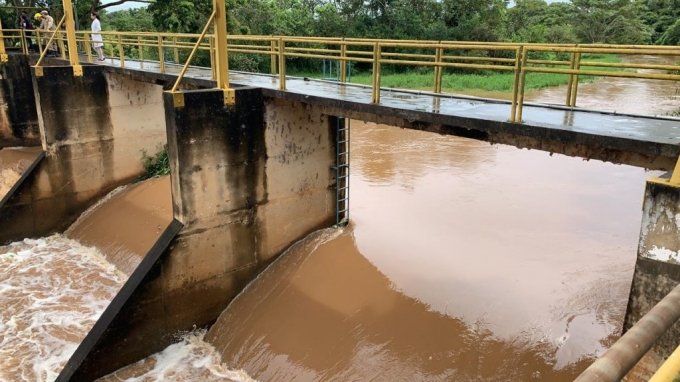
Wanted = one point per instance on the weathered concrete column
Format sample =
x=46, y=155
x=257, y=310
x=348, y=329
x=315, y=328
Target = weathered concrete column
x=94, y=129
x=657, y=270
x=18, y=116
x=248, y=181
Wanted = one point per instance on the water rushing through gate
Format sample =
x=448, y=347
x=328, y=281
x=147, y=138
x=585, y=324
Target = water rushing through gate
x=52, y=291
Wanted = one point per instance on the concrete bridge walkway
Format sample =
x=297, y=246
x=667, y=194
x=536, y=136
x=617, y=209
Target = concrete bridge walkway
x=650, y=142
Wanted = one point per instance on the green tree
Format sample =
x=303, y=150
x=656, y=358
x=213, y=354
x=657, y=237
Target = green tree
x=129, y=20
x=609, y=21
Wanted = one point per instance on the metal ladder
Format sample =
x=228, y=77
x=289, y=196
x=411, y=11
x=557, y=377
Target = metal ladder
x=341, y=172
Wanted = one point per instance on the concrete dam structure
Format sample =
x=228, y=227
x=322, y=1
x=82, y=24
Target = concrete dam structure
x=246, y=182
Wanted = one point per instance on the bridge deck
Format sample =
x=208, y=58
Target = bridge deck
x=650, y=142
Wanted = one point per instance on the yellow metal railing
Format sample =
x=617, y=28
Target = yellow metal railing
x=570, y=60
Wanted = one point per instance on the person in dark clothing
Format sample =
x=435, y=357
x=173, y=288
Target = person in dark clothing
x=26, y=24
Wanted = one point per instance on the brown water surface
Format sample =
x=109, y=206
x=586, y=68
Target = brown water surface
x=622, y=95
x=610, y=94
x=13, y=162
x=127, y=223
x=464, y=261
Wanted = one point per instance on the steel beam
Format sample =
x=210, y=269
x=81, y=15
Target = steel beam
x=71, y=39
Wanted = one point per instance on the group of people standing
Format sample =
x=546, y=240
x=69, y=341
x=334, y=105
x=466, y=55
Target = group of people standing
x=48, y=26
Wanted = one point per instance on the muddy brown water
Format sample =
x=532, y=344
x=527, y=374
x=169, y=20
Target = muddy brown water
x=54, y=289
x=463, y=261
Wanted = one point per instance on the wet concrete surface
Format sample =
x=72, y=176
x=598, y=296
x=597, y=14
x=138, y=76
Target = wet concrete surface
x=624, y=125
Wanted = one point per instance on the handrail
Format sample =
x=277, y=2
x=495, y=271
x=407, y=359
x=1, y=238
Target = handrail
x=193, y=52
x=509, y=57
x=49, y=42
x=629, y=349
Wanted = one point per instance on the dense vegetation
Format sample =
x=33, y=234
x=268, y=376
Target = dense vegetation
x=601, y=21
x=590, y=21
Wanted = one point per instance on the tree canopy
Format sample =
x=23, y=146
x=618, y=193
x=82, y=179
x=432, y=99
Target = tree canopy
x=588, y=21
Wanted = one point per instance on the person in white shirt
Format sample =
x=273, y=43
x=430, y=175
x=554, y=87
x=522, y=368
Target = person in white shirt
x=97, y=40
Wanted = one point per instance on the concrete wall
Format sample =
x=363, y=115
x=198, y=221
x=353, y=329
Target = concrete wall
x=657, y=270
x=18, y=116
x=248, y=181
x=94, y=129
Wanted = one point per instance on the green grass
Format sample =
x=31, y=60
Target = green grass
x=156, y=165
x=487, y=81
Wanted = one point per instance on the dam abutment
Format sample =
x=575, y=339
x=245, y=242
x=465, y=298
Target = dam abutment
x=657, y=268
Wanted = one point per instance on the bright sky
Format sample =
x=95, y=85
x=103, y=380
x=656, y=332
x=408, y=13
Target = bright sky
x=129, y=5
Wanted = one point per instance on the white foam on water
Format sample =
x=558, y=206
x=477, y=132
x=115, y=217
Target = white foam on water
x=191, y=359
x=52, y=291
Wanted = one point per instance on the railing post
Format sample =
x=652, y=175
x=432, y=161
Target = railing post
x=213, y=68
x=24, y=48
x=175, y=49
x=522, y=85
x=439, y=52
x=3, y=53
x=272, y=55
x=161, y=55
x=221, y=54
x=140, y=49
x=343, y=61
x=88, y=48
x=71, y=39
x=376, y=72
x=111, y=51
x=121, y=50
x=39, y=40
x=574, y=85
x=519, y=53
x=282, y=64
x=572, y=66
x=60, y=43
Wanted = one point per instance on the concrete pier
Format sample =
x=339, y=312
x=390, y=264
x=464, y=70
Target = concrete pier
x=657, y=270
x=18, y=115
x=247, y=182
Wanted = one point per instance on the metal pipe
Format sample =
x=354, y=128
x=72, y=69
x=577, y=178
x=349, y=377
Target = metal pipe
x=272, y=56
x=521, y=86
x=629, y=349
x=161, y=55
x=193, y=52
x=376, y=72
x=515, y=83
x=282, y=64
x=574, y=84
x=121, y=51
x=343, y=62
x=572, y=66
x=438, y=70
x=74, y=60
